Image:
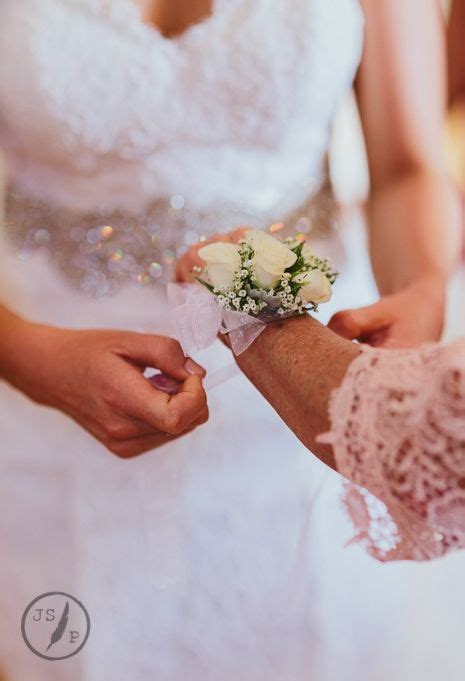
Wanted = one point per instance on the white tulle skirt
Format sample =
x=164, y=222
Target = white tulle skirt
x=220, y=556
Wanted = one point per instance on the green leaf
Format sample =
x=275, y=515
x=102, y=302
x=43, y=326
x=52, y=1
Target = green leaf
x=298, y=249
x=297, y=266
x=205, y=283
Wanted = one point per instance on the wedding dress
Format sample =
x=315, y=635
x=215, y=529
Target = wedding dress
x=220, y=556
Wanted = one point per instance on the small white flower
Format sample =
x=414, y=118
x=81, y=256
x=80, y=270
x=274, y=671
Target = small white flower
x=242, y=293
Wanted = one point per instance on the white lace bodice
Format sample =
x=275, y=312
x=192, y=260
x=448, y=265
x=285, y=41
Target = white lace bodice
x=99, y=113
x=99, y=106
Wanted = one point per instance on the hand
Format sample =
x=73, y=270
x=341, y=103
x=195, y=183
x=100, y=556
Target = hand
x=96, y=378
x=186, y=264
x=401, y=320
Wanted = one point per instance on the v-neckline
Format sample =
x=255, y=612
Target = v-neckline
x=179, y=37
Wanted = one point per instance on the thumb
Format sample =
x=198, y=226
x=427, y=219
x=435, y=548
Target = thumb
x=161, y=353
x=362, y=322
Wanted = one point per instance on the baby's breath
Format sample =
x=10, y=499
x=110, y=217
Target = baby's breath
x=245, y=295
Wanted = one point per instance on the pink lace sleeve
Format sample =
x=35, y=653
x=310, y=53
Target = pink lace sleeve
x=398, y=433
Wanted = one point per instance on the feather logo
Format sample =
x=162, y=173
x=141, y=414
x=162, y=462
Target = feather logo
x=61, y=627
x=55, y=617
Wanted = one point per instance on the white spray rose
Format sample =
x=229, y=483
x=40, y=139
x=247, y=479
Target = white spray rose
x=223, y=262
x=271, y=258
x=315, y=287
x=307, y=253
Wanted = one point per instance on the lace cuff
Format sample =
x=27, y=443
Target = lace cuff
x=398, y=433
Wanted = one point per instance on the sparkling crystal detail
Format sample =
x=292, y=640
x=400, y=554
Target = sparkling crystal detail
x=42, y=236
x=303, y=225
x=177, y=202
x=99, y=252
x=155, y=270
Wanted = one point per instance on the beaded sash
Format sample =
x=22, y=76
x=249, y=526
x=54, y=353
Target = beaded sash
x=99, y=251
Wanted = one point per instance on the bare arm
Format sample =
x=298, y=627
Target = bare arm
x=296, y=364
x=95, y=377
x=402, y=98
x=412, y=213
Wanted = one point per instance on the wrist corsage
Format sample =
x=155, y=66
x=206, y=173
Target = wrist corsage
x=246, y=285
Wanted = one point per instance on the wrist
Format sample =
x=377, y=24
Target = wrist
x=14, y=331
x=432, y=285
x=22, y=356
x=296, y=364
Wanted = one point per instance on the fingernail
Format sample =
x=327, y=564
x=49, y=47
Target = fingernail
x=193, y=368
x=165, y=383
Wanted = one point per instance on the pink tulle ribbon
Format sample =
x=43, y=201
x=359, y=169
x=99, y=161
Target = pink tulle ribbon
x=198, y=319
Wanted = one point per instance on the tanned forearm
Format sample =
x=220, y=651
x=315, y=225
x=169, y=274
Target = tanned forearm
x=296, y=364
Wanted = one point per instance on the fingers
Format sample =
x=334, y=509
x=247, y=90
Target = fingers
x=143, y=418
x=238, y=234
x=185, y=265
x=345, y=324
x=128, y=449
x=161, y=353
x=363, y=323
x=136, y=446
x=163, y=412
x=186, y=407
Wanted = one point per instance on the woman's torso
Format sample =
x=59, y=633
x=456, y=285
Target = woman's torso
x=106, y=123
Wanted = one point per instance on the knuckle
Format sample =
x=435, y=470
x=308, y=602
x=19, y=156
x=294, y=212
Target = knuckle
x=202, y=406
x=341, y=316
x=116, y=449
x=174, y=423
x=123, y=450
x=117, y=431
x=110, y=394
x=342, y=319
x=171, y=346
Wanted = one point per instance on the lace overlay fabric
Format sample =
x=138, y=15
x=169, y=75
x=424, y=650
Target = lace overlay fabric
x=98, y=108
x=398, y=434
